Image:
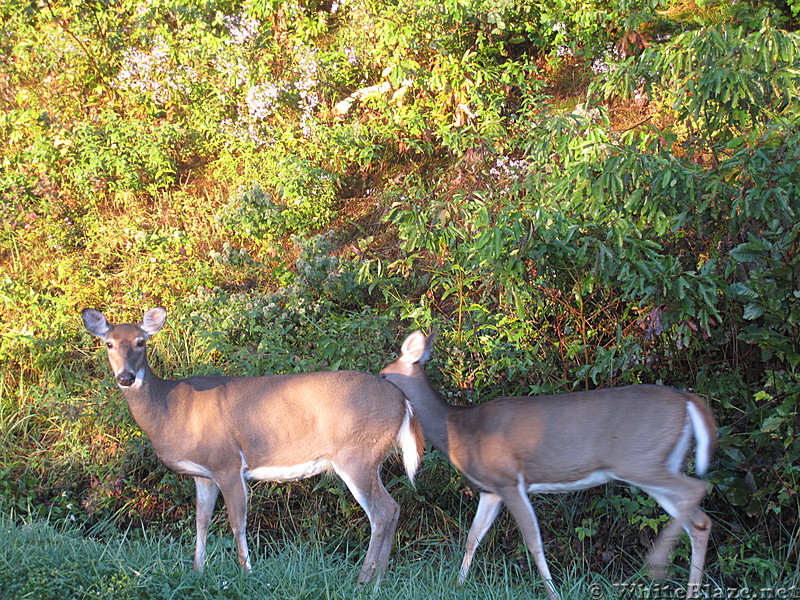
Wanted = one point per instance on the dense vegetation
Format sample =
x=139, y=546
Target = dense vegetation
x=574, y=194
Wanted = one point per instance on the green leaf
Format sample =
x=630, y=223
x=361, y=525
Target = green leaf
x=741, y=290
x=772, y=423
x=753, y=311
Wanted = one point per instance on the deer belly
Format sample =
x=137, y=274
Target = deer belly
x=290, y=472
x=596, y=478
x=187, y=467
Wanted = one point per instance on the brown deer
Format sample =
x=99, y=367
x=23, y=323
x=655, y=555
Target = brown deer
x=225, y=430
x=508, y=448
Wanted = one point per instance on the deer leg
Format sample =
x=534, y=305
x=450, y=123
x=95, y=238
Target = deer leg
x=516, y=498
x=679, y=496
x=207, y=492
x=699, y=531
x=488, y=506
x=234, y=492
x=382, y=512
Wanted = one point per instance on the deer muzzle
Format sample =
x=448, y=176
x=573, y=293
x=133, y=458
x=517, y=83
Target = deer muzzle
x=126, y=379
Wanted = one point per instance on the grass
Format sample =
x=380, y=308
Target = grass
x=46, y=560
x=53, y=560
x=43, y=560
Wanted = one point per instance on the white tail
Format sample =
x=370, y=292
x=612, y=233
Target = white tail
x=511, y=447
x=225, y=430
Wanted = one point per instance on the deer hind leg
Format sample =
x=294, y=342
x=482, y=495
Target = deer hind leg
x=383, y=513
x=207, y=492
x=516, y=498
x=234, y=492
x=680, y=496
x=699, y=532
x=488, y=507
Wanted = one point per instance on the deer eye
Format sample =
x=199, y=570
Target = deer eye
x=109, y=345
x=140, y=342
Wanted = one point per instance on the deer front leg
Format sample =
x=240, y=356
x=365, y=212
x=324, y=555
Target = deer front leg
x=234, y=491
x=207, y=492
x=488, y=507
x=516, y=498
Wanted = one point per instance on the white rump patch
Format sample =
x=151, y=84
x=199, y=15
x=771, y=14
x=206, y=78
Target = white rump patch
x=291, y=472
x=408, y=445
x=678, y=454
x=703, y=437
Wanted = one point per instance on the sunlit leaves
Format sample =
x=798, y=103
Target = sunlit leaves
x=720, y=79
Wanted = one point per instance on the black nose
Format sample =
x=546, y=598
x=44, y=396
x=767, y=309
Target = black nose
x=126, y=379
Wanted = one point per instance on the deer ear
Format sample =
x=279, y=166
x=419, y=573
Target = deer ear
x=95, y=322
x=416, y=348
x=154, y=320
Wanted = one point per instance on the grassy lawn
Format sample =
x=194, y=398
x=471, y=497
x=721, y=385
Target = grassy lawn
x=44, y=561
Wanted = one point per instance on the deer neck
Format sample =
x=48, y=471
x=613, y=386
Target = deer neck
x=146, y=400
x=431, y=409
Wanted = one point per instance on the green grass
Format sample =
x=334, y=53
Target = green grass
x=51, y=560
x=40, y=560
x=46, y=560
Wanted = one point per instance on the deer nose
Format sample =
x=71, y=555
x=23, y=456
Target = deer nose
x=126, y=379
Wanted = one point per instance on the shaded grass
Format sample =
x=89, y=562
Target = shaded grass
x=45, y=560
x=53, y=560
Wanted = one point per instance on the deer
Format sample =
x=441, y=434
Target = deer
x=224, y=431
x=510, y=447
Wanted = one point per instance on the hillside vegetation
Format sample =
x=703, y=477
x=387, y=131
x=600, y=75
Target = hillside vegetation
x=573, y=194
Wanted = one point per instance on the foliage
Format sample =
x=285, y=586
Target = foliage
x=306, y=195
x=574, y=195
x=720, y=80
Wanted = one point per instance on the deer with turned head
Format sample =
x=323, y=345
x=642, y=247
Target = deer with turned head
x=224, y=431
x=508, y=448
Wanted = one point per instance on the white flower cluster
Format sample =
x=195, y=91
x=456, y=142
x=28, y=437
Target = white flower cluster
x=352, y=57
x=506, y=167
x=261, y=100
x=599, y=65
x=306, y=85
x=235, y=68
x=507, y=170
x=560, y=30
x=564, y=51
x=150, y=72
x=246, y=129
x=241, y=27
x=140, y=68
